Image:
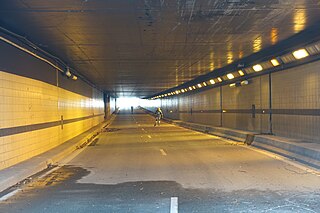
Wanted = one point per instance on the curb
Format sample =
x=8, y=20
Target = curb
x=304, y=155
x=18, y=173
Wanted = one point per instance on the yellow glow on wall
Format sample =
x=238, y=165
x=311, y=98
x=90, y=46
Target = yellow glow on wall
x=299, y=20
x=212, y=66
x=229, y=57
x=257, y=68
x=274, y=62
x=274, y=35
x=229, y=53
x=212, y=60
x=241, y=72
x=257, y=44
x=240, y=54
x=301, y=53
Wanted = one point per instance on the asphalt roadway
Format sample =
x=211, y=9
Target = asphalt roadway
x=136, y=167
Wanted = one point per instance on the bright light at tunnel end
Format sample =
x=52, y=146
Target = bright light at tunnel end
x=128, y=102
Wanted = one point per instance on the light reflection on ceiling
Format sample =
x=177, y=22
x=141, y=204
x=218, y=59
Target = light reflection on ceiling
x=142, y=47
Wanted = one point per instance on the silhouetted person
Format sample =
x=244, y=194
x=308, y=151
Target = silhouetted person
x=158, y=115
x=131, y=109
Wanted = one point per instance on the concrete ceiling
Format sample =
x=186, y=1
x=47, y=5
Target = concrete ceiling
x=141, y=47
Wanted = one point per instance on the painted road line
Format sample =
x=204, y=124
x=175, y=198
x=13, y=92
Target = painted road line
x=7, y=196
x=149, y=136
x=163, y=152
x=174, y=205
x=296, y=164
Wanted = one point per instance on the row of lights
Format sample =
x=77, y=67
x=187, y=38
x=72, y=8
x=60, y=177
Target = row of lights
x=298, y=54
x=70, y=75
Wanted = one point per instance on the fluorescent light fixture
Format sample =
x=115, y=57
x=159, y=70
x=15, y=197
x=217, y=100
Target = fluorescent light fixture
x=74, y=77
x=241, y=73
x=244, y=82
x=219, y=79
x=194, y=87
x=190, y=88
x=274, y=62
x=212, y=81
x=204, y=84
x=165, y=95
x=224, y=111
x=199, y=85
x=177, y=92
x=182, y=90
x=257, y=68
x=232, y=85
x=301, y=53
x=230, y=76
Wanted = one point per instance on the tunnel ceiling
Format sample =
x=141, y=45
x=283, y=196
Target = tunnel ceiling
x=141, y=47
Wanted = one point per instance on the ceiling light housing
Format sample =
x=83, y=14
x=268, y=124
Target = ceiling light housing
x=301, y=53
x=230, y=76
x=275, y=62
x=257, y=68
x=241, y=73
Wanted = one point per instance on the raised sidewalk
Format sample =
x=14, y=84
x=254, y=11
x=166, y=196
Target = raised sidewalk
x=306, y=152
x=21, y=171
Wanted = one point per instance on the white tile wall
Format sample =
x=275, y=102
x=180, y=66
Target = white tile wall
x=24, y=101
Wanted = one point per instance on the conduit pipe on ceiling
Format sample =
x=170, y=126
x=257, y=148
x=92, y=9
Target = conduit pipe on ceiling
x=31, y=53
x=34, y=46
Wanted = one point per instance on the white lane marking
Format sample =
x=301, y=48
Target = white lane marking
x=149, y=136
x=163, y=152
x=298, y=165
x=174, y=205
x=7, y=196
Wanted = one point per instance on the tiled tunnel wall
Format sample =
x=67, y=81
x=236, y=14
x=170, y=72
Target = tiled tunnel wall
x=36, y=115
x=295, y=105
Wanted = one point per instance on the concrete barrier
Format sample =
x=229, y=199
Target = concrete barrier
x=305, y=152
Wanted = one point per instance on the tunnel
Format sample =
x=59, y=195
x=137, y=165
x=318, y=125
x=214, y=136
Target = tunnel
x=159, y=106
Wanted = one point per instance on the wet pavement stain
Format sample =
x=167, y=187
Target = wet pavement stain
x=60, y=192
x=111, y=130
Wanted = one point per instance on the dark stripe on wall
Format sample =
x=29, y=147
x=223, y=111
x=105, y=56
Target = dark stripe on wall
x=33, y=127
x=310, y=112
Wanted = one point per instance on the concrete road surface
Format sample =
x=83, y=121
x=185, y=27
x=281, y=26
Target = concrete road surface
x=136, y=167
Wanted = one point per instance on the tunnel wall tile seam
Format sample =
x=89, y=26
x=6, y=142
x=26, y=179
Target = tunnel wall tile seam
x=31, y=111
x=34, y=127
